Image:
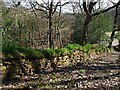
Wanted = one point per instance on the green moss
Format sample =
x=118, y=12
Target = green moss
x=82, y=70
x=30, y=53
x=101, y=49
x=62, y=51
x=14, y=51
x=46, y=86
x=48, y=53
x=41, y=77
x=97, y=49
x=87, y=47
x=7, y=49
x=18, y=52
x=73, y=47
x=10, y=52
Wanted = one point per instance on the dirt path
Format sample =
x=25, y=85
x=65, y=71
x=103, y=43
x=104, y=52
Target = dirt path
x=100, y=74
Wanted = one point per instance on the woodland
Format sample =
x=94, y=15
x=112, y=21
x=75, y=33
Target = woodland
x=60, y=45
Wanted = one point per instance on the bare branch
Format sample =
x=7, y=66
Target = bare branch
x=42, y=6
x=97, y=13
x=55, y=7
x=85, y=9
x=16, y=4
x=33, y=6
x=91, y=5
x=46, y=3
x=65, y=3
x=39, y=9
x=58, y=4
x=112, y=2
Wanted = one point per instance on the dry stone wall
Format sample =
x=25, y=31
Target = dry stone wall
x=27, y=67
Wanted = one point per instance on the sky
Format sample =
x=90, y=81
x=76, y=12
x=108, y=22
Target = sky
x=58, y=0
x=65, y=8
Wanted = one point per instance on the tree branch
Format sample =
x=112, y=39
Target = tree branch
x=39, y=9
x=58, y=4
x=55, y=7
x=90, y=8
x=65, y=3
x=103, y=11
x=85, y=9
x=42, y=6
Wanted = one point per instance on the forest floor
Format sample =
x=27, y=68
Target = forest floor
x=100, y=74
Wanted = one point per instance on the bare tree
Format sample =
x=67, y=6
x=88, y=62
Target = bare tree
x=89, y=14
x=49, y=8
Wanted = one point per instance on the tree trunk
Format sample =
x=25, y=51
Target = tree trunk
x=85, y=29
x=58, y=27
x=114, y=28
x=111, y=37
x=50, y=25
